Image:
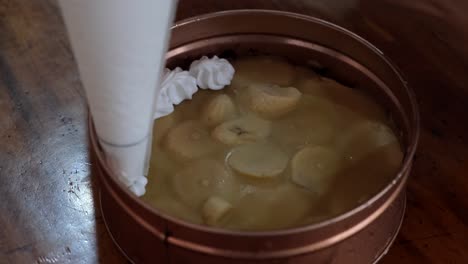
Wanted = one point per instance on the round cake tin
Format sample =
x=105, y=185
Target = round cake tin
x=362, y=235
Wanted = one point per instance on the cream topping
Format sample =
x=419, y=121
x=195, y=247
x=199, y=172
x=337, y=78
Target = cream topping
x=214, y=73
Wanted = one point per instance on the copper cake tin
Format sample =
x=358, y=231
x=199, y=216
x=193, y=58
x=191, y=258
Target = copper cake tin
x=362, y=235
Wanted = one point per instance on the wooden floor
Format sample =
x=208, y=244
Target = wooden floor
x=47, y=195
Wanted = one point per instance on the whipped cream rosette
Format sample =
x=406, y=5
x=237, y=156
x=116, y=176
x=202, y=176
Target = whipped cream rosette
x=176, y=86
x=214, y=73
x=179, y=85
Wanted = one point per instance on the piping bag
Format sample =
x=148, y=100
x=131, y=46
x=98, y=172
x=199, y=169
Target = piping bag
x=120, y=48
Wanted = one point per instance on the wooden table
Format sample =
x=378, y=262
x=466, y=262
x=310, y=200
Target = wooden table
x=47, y=195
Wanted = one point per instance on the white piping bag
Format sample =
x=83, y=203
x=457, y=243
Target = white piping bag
x=120, y=49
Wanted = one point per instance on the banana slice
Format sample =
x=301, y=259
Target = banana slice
x=191, y=109
x=314, y=168
x=176, y=209
x=354, y=100
x=162, y=125
x=271, y=101
x=243, y=130
x=262, y=70
x=370, y=149
x=314, y=85
x=314, y=122
x=364, y=137
x=297, y=133
x=269, y=209
x=259, y=160
x=304, y=73
x=220, y=109
x=214, y=209
x=203, y=179
x=189, y=140
x=359, y=182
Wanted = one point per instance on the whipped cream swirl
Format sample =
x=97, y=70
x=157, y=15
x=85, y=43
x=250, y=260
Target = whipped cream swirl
x=137, y=185
x=214, y=73
x=177, y=85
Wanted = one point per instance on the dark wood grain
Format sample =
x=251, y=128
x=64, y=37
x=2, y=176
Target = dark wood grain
x=48, y=211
